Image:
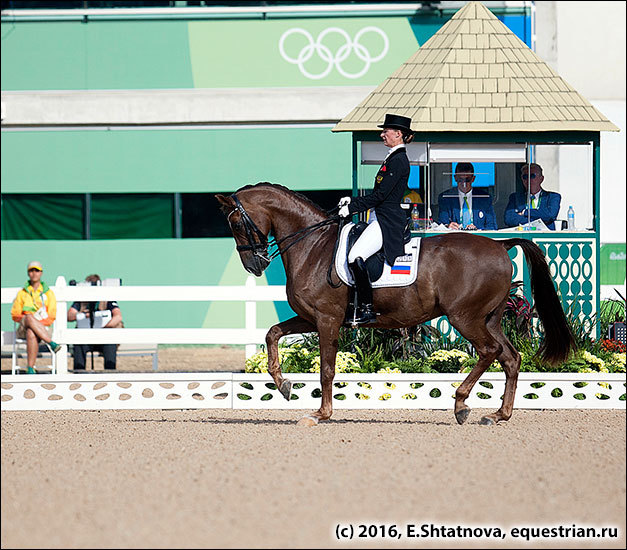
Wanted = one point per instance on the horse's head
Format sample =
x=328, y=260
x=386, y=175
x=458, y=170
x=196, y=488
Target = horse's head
x=250, y=227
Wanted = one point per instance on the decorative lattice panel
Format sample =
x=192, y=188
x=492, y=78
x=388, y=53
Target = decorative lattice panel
x=350, y=391
x=433, y=391
x=116, y=391
x=573, y=268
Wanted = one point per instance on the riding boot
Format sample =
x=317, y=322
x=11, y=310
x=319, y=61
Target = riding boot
x=364, y=310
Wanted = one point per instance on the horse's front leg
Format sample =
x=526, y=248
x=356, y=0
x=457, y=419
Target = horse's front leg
x=329, y=333
x=295, y=325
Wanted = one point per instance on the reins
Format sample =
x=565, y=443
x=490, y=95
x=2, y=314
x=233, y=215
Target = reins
x=306, y=232
x=263, y=243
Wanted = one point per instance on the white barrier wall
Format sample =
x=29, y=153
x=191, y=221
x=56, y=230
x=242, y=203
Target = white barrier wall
x=350, y=391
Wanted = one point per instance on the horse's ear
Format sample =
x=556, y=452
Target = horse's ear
x=227, y=203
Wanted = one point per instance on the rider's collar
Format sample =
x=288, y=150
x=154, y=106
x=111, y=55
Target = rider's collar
x=395, y=148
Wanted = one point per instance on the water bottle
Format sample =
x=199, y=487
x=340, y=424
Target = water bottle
x=415, y=218
x=571, y=218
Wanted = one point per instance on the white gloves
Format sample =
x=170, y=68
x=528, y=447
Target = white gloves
x=344, y=201
x=343, y=204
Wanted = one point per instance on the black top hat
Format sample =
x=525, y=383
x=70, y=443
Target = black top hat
x=397, y=122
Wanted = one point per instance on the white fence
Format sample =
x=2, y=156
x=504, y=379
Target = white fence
x=350, y=391
x=118, y=390
x=250, y=335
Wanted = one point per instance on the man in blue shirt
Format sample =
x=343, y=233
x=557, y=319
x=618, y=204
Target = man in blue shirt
x=465, y=207
x=534, y=203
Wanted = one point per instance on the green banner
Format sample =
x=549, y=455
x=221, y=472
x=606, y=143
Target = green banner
x=298, y=52
x=613, y=264
x=95, y=55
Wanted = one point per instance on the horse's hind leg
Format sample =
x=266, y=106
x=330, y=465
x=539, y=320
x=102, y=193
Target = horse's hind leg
x=488, y=349
x=510, y=361
x=295, y=325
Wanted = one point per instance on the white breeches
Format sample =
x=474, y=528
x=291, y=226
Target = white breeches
x=369, y=242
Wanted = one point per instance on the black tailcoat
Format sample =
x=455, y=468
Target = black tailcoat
x=389, y=187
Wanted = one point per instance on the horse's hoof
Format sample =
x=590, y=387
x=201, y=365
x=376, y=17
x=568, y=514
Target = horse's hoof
x=308, y=421
x=487, y=421
x=462, y=415
x=286, y=389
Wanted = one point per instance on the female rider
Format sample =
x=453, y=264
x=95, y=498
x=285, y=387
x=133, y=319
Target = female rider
x=387, y=220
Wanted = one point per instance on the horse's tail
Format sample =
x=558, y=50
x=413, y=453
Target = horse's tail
x=558, y=339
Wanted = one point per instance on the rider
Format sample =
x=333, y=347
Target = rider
x=387, y=220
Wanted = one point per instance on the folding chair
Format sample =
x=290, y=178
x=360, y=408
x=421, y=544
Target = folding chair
x=19, y=352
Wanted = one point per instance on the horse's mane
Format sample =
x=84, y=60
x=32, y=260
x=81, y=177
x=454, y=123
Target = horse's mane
x=289, y=192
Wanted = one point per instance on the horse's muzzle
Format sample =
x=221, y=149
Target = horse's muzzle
x=257, y=264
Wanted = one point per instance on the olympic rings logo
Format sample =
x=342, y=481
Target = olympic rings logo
x=340, y=56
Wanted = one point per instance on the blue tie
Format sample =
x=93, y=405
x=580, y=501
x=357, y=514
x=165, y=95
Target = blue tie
x=466, y=217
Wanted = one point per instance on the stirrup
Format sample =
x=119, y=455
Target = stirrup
x=362, y=316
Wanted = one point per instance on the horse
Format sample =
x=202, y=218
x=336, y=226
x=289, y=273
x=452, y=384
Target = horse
x=465, y=276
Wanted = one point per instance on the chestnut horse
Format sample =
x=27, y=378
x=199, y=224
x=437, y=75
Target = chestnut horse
x=464, y=276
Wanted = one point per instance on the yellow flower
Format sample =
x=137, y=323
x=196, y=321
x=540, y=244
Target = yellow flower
x=593, y=360
x=388, y=370
x=617, y=362
x=344, y=362
x=409, y=396
x=385, y=397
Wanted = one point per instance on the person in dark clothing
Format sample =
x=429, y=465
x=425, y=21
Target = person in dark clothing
x=534, y=203
x=93, y=315
x=387, y=220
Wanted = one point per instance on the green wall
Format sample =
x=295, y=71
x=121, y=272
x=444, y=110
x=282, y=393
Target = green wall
x=95, y=55
x=173, y=160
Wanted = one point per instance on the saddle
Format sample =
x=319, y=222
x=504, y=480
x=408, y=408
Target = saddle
x=375, y=263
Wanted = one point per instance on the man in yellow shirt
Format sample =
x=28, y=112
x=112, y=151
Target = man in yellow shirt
x=35, y=309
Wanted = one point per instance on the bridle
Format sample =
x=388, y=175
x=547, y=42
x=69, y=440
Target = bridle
x=251, y=230
x=259, y=245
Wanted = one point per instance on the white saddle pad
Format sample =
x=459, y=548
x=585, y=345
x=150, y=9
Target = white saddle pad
x=402, y=273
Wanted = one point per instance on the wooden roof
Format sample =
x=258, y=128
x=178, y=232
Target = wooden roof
x=473, y=75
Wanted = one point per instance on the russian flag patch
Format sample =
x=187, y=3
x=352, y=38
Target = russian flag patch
x=400, y=270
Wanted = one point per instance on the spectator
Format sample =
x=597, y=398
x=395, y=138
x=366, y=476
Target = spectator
x=534, y=203
x=35, y=309
x=466, y=208
x=90, y=315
